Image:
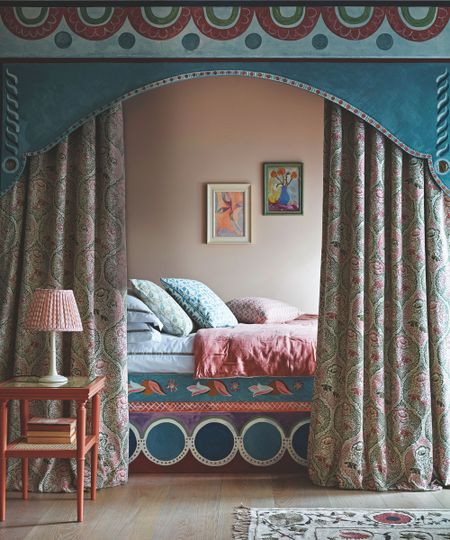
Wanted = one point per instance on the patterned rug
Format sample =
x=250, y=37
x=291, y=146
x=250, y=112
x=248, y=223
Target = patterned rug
x=340, y=524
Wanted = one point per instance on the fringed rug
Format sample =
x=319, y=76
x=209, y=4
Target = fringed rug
x=340, y=524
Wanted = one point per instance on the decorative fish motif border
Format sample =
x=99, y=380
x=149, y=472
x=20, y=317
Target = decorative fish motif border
x=182, y=388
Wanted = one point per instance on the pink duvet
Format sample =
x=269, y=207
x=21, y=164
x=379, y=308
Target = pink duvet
x=249, y=350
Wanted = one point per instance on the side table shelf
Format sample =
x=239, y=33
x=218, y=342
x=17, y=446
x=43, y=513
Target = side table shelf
x=81, y=390
x=20, y=448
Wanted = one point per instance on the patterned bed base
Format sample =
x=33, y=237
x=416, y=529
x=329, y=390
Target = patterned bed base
x=180, y=424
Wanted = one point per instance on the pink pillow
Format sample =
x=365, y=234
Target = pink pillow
x=255, y=310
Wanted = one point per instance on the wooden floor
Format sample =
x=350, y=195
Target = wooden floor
x=197, y=507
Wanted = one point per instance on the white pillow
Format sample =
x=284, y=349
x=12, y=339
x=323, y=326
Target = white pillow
x=138, y=327
x=141, y=332
x=138, y=312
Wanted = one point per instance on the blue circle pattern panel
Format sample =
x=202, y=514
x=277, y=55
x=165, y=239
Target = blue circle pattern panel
x=165, y=442
x=298, y=442
x=262, y=442
x=134, y=446
x=215, y=442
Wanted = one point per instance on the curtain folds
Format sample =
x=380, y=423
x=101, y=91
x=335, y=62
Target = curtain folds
x=381, y=407
x=63, y=226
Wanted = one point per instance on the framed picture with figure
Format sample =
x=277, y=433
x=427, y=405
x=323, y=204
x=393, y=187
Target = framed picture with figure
x=229, y=214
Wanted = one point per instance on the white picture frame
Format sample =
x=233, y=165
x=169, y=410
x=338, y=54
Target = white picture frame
x=229, y=216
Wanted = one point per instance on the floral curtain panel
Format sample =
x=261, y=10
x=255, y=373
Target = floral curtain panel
x=63, y=226
x=380, y=415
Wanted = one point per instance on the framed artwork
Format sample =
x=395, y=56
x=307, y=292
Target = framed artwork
x=283, y=188
x=228, y=214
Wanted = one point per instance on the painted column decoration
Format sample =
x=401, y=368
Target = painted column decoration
x=442, y=146
x=10, y=162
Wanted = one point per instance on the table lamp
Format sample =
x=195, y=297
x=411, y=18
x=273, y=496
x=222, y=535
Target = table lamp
x=53, y=310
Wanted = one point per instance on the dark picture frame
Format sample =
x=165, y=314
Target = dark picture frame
x=283, y=188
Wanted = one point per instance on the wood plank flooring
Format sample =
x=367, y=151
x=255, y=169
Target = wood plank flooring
x=183, y=506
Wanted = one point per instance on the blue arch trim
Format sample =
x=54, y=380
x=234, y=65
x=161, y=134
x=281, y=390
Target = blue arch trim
x=44, y=102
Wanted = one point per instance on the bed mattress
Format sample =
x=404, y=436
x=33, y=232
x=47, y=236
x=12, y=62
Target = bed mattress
x=170, y=355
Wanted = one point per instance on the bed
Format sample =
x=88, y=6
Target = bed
x=181, y=422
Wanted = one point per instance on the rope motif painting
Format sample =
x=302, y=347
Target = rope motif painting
x=12, y=127
x=225, y=23
x=442, y=122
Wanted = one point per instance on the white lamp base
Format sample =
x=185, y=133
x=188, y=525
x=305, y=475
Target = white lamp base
x=53, y=379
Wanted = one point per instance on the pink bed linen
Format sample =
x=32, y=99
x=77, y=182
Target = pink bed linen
x=251, y=350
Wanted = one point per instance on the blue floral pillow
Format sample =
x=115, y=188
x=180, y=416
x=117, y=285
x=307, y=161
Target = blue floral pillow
x=175, y=321
x=200, y=303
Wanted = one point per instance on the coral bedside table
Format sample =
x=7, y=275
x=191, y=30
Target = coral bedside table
x=79, y=389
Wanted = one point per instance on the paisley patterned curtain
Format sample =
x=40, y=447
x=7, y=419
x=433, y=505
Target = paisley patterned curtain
x=381, y=409
x=62, y=225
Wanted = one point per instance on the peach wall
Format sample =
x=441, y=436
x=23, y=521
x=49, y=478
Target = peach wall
x=181, y=137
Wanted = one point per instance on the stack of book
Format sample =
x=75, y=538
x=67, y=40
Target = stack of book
x=51, y=430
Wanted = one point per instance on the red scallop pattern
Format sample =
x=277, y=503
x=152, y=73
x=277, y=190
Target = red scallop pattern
x=147, y=30
x=411, y=34
x=353, y=33
x=222, y=34
x=97, y=32
x=300, y=31
x=144, y=28
x=50, y=24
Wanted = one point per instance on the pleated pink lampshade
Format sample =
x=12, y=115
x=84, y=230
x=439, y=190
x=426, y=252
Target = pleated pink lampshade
x=53, y=309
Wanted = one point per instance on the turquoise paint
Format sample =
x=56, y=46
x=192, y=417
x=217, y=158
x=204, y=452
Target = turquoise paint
x=166, y=441
x=53, y=98
x=173, y=387
x=262, y=441
x=214, y=441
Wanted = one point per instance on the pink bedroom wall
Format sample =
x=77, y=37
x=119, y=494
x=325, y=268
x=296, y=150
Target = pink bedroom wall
x=183, y=136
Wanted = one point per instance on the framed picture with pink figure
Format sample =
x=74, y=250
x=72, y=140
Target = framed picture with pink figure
x=229, y=214
x=283, y=188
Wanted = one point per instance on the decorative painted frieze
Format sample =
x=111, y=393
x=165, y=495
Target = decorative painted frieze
x=192, y=32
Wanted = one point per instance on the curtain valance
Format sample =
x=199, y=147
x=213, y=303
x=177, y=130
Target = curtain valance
x=44, y=102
